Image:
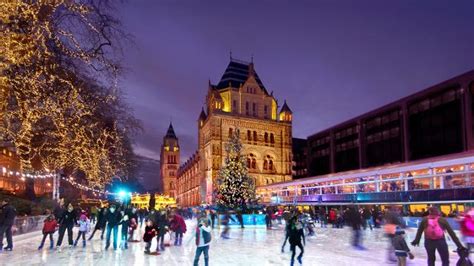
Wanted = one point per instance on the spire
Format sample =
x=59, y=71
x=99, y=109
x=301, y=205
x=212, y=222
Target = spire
x=285, y=108
x=170, y=133
x=203, y=115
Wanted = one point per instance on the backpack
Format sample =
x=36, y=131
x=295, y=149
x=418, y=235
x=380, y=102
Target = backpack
x=433, y=230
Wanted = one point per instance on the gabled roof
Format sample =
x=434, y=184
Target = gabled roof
x=285, y=108
x=236, y=73
x=170, y=133
x=203, y=115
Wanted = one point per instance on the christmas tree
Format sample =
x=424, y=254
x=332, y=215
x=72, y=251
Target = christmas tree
x=235, y=187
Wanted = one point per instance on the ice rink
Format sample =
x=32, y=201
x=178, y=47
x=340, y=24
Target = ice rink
x=246, y=247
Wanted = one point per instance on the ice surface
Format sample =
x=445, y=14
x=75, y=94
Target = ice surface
x=247, y=247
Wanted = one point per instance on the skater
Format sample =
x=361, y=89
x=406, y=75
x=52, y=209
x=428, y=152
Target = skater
x=392, y=220
x=203, y=239
x=287, y=234
x=94, y=212
x=49, y=227
x=84, y=227
x=133, y=216
x=355, y=220
x=113, y=219
x=467, y=229
x=178, y=226
x=125, y=222
x=433, y=226
x=401, y=248
x=7, y=217
x=323, y=217
x=268, y=218
x=66, y=222
x=367, y=218
x=150, y=233
x=296, y=234
x=101, y=223
x=213, y=218
x=225, y=222
x=162, y=224
x=240, y=218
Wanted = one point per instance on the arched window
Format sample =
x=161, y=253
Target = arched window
x=255, y=137
x=249, y=135
x=265, y=164
x=266, y=137
x=270, y=165
x=254, y=163
x=272, y=139
x=248, y=162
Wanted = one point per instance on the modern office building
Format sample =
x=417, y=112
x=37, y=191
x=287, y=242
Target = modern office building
x=433, y=122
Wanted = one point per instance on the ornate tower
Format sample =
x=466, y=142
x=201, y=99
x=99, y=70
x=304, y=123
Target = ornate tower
x=169, y=162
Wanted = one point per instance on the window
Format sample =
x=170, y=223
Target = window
x=234, y=106
x=249, y=135
x=272, y=139
x=265, y=165
x=248, y=162
x=254, y=109
x=231, y=132
x=247, y=111
x=254, y=163
x=270, y=165
x=266, y=137
x=255, y=137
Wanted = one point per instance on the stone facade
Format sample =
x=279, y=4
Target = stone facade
x=238, y=103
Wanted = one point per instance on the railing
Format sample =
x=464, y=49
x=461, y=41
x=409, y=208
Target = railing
x=27, y=224
x=427, y=176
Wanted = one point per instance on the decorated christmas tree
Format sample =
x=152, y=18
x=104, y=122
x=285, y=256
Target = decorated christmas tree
x=235, y=187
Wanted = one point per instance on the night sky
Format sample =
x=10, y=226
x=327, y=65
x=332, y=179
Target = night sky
x=331, y=60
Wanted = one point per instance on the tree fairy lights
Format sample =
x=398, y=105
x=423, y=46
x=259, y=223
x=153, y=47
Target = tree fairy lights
x=235, y=187
x=59, y=102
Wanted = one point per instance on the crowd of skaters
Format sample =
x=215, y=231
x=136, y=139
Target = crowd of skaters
x=298, y=225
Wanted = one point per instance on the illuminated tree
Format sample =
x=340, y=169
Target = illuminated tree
x=58, y=97
x=235, y=187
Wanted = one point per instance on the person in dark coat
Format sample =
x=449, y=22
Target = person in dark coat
x=295, y=237
x=66, y=221
x=7, y=218
x=125, y=222
x=113, y=219
x=433, y=226
x=355, y=221
x=101, y=223
x=162, y=224
x=240, y=218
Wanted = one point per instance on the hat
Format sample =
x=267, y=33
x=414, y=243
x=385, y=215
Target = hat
x=399, y=231
x=83, y=217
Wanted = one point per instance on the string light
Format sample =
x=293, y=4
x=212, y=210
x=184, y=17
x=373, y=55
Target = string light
x=49, y=90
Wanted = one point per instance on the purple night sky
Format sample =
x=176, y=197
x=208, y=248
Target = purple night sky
x=331, y=60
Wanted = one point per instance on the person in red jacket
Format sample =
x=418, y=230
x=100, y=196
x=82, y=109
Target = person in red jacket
x=467, y=229
x=332, y=217
x=178, y=226
x=49, y=228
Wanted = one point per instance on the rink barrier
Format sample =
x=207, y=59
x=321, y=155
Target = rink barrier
x=27, y=224
x=414, y=222
x=257, y=220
